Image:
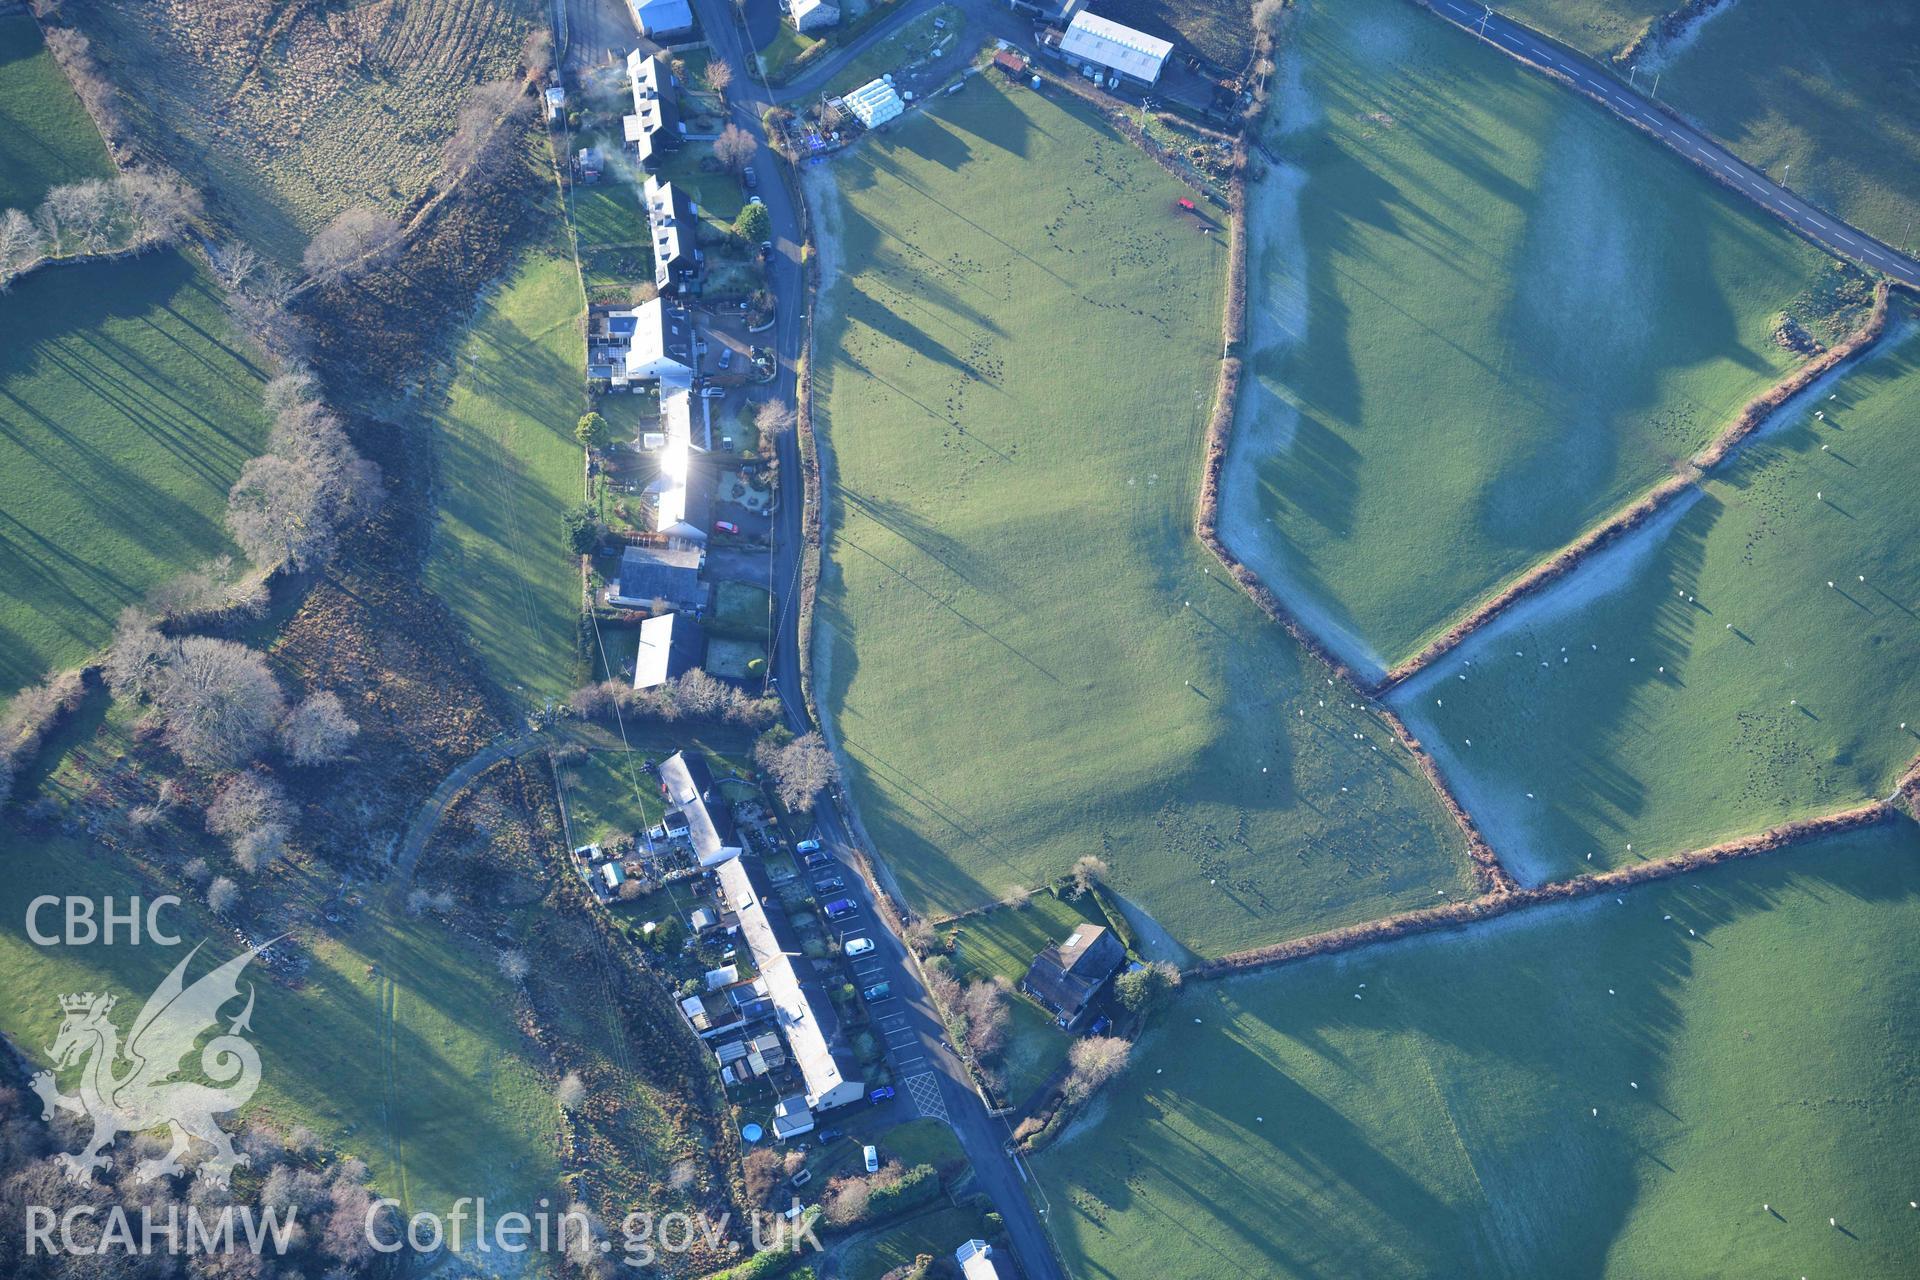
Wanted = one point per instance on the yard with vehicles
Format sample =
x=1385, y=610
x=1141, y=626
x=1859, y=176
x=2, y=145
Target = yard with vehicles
x=1749, y=658
x=509, y=470
x=289, y=115
x=46, y=136
x=1102, y=687
x=1484, y=316
x=128, y=409
x=1696, y=1079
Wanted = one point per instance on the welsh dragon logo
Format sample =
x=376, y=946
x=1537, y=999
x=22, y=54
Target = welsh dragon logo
x=131, y=1089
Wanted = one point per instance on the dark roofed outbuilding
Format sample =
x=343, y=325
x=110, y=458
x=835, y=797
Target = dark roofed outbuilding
x=1067, y=976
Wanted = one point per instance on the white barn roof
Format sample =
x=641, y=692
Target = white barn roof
x=1106, y=43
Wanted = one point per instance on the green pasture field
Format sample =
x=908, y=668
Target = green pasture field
x=127, y=407
x=1830, y=90
x=1443, y=1123
x=741, y=606
x=1601, y=28
x=509, y=469
x=1026, y=653
x=399, y=1048
x=609, y=797
x=1732, y=688
x=46, y=136
x=286, y=121
x=1484, y=316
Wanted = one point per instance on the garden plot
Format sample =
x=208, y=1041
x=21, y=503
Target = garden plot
x=1483, y=317
x=1701, y=678
x=1025, y=653
x=1614, y=1088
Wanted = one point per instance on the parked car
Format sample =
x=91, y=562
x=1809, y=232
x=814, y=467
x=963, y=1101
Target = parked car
x=748, y=178
x=829, y=884
x=755, y=200
x=726, y=356
x=815, y=861
x=1101, y=1025
x=872, y=1153
x=859, y=946
x=725, y=526
x=878, y=991
x=882, y=1094
x=840, y=908
x=808, y=846
x=828, y=1135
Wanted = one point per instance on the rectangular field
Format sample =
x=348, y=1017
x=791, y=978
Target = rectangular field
x=1752, y=658
x=1605, y=1089
x=1484, y=315
x=46, y=137
x=1026, y=653
x=127, y=407
x=509, y=470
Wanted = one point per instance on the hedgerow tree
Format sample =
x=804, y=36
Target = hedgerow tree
x=218, y=701
x=583, y=529
x=358, y=240
x=800, y=768
x=734, y=148
x=1145, y=991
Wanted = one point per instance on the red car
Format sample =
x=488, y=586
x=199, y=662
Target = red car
x=725, y=526
x=1187, y=205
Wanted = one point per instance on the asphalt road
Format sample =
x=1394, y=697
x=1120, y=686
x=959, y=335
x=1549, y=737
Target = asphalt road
x=931, y=1079
x=1816, y=224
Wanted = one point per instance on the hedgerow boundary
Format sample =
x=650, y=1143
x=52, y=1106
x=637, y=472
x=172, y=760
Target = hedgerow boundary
x=1749, y=420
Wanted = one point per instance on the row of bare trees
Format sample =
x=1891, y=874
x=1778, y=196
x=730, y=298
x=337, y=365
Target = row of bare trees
x=138, y=210
x=292, y=503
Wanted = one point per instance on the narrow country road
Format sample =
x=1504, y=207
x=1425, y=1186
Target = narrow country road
x=1814, y=223
x=931, y=1078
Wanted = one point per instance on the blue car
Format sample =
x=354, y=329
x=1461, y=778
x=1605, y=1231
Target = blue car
x=808, y=846
x=881, y=1094
x=840, y=907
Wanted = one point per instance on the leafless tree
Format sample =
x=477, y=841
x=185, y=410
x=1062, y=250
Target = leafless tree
x=514, y=965
x=222, y=894
x=536, y=51
x=214, y=588
x=21, y=244
x=137, y=655
x=319, y=730
x=277, y=513
x=288, y=392
x=800, y=769
x=486, y=127
x=33, y=711
x=1270, y=18
x=1095, y=1060
x=734, y=148
x=984, y=1004
x=233, y=263
x=847, y=1199
x=923, y=937
x=773, y=417
x=219, y=702
x=718, y=77
x=159, y=203
x=74, y=53
x=1087, y=872
x=358, y=240
x=570, y=1092
x=248, y=800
